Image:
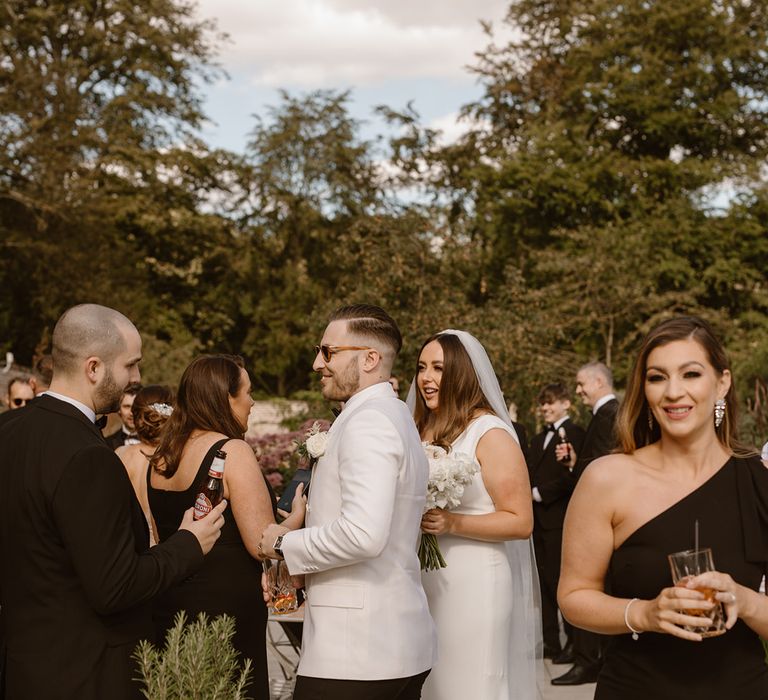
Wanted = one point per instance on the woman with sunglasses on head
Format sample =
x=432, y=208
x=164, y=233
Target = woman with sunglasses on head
x=151, y=408
x=483, y=601
x=681, y=481
x=211, y=413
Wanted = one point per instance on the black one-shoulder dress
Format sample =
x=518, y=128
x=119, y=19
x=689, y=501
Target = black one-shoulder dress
x=732, y=510
x=228, y=582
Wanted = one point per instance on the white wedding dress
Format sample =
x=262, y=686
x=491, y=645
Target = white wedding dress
x=471, y=601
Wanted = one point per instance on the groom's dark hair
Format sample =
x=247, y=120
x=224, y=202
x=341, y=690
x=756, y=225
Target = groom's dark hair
x=370, y=321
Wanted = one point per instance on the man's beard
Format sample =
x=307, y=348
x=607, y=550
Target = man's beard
x=108, y=394
x=343, y=384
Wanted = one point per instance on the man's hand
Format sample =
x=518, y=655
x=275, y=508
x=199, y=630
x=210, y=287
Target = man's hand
x=207, y=529
x=268, y=537
x=563, y=450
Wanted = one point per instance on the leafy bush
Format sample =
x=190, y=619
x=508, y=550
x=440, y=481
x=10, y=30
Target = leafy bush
x=198, y=662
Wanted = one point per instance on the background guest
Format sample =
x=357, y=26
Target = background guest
x=681, y=480
x=151, y=408
x=552, y=484
x=20, y=392
x=594, y=386
x=126, y=435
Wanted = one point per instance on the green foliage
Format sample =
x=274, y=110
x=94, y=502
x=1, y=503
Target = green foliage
x=580, y=208
x=198, y=662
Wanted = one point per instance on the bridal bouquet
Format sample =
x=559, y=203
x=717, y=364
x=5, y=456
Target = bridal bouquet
x=449, y=473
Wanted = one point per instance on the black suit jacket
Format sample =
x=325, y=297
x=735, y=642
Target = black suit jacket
x=116, y=439
x=600, y=438
x=522, y=436
x=554, y=481
x=76, y=574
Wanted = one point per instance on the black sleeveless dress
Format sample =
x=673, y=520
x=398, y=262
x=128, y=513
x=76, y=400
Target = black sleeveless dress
x=228, y=582
x=732, y=510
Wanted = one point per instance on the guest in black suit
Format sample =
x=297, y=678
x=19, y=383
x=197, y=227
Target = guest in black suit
x=594, y=386
x=127, y=433
x=76, y=574
x=552, y=483
x=522, y=433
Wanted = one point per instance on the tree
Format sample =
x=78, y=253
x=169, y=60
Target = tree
x=99, y=114
x=323, y=229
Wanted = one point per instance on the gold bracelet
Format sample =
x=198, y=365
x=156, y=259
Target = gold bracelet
x=635, y=633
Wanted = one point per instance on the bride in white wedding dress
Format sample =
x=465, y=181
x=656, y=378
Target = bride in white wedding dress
x=484, y=602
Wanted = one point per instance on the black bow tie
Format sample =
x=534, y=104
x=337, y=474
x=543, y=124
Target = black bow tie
x=550, y=427
x=101, y=422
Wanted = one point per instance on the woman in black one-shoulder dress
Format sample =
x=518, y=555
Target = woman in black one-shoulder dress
x=211, y=413
x=680, y=463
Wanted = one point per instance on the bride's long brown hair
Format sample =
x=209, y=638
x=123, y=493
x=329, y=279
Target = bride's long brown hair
x=202, y=403
x=460, y=399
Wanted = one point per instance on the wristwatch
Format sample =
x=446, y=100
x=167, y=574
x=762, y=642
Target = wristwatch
x=276, y=546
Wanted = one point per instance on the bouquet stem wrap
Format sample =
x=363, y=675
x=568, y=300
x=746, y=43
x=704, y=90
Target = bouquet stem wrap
x=430, y=556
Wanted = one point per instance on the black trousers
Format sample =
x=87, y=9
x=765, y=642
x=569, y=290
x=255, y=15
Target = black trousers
x=308, y=688
x=548, y=545
x=588, y=648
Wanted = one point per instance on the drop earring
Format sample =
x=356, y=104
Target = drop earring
x=650, y=419
x=719, y=412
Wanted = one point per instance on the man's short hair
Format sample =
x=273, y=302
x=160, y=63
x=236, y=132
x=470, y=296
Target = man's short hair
x=554, y=392
x=87, y=330
x=372, y=322
x=599, y=368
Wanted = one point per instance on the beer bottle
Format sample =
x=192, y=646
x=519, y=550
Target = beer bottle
x=212, y=488
x=562, y=439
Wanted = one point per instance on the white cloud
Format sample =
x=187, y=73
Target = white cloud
x=333, y=43
x=452, y=127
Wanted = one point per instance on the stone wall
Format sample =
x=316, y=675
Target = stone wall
x=266, y=416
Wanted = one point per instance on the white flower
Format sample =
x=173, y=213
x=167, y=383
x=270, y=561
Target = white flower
x=316, y=444
x=449, y=473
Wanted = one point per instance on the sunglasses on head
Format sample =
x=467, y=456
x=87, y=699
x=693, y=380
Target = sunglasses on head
x=19, y=402
x=328, y=351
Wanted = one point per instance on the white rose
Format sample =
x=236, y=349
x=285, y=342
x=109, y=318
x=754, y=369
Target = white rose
x=316, y=444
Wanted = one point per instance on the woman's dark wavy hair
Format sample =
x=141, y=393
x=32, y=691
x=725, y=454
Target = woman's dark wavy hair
x=147, y=420
x=461, y=397
x=202, y=403
x=632, y=425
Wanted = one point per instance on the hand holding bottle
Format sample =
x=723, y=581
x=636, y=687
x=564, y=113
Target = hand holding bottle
x=207, y=529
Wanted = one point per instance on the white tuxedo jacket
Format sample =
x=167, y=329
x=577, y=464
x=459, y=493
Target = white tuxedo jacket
x=366, y=615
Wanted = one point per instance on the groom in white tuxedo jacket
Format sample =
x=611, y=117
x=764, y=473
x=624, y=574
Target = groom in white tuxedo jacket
x=367, y=630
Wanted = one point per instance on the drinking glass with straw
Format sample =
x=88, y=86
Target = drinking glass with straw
x=686, y=565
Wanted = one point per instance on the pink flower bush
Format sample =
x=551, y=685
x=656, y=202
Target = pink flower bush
x=277, y=452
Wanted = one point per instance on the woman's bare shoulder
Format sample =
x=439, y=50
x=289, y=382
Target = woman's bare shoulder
x=610, y=470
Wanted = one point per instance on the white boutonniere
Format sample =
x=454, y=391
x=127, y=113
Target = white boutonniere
x=315, y=442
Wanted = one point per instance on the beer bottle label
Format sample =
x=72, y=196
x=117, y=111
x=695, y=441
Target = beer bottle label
x=202, y=506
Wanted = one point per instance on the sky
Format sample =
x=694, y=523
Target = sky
x=385, y=51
